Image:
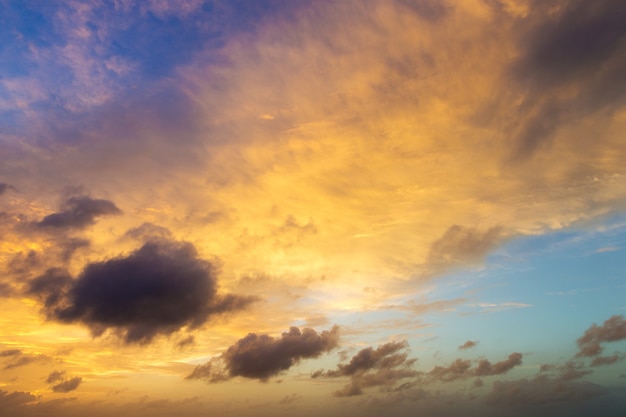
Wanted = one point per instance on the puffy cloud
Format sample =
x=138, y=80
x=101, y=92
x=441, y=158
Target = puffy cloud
x=263, y=356
x=157, y=289
x=67, y=385
x=383, y=366
x=79, y=212
x=612, y=330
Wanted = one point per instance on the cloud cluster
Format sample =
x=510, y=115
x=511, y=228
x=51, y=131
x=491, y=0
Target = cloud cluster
x=460, y=369
x=384, y=366
x=79, y=212
x=263, y=356
x=612, y=330
x=157, y=289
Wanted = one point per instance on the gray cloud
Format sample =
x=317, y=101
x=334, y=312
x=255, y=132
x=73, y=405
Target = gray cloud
x=612, y=330
x=79, y=212
x=263, y=356
x=383, y=366
x=158, y=289
x=460, y=369
x=67, y=385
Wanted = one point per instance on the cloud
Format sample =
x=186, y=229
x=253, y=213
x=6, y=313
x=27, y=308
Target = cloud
x=15, y=399
x=17, y=358
x=612, y=330
x=157, y=289
x=540, y=391
x=461, y=369
x=461, y=245
x=79, y=212
x=577, y=44
x=383, y=366
x=67, y=385
x=10, y=352
x=468, y=345
x=55, y=376
x=263, y=356
x=4, y=187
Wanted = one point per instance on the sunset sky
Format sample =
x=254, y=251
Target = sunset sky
x=312, y=208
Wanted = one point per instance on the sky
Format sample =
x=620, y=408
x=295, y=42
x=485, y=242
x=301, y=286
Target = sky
x=312, y=207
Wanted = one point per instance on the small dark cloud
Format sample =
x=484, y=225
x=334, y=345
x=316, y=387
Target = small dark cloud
x=10, y=352
x=187, y=341
x=55, y=376
x=612, y=330
x=79, y=212
x=468, y=345
x=460, y=369
x=67, y=385
x=158, y=289
x=263, y=356
x=383, y=366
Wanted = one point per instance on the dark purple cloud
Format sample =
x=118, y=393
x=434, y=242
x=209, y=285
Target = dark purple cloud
x=263, y=356
x=572, y=43
x=79, y=212
x=158, y=289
